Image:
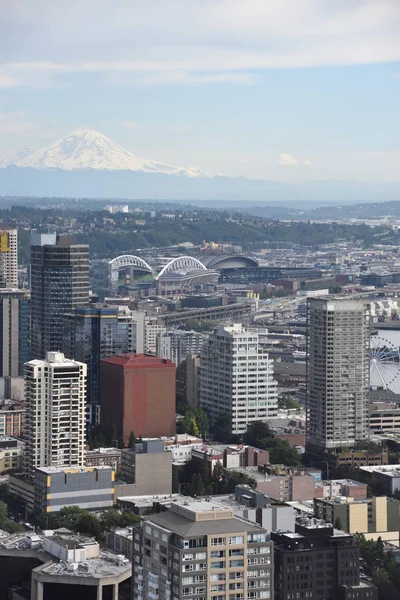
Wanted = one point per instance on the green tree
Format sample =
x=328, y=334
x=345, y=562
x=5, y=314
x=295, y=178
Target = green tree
x=175, y=479
x=3, y=515
x=110, y=519
x=338, y=523
x=88, y=524
x=132, y=440
x=199, y=486
x=121, y=443
x=217, y=477
x=194, y=430
x=114, y=435
x=222, y=428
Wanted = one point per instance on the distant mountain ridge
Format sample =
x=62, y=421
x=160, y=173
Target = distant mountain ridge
x=87, y=164
x=89, y=149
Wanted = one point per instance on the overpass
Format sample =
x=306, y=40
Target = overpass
x=214, y=313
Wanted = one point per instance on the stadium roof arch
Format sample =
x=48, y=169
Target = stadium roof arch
x=234, y=261
x=181, y=263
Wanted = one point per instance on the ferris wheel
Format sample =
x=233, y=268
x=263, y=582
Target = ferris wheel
x=384, y=363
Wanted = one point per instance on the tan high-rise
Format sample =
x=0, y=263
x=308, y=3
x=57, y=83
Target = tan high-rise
x=55, y=396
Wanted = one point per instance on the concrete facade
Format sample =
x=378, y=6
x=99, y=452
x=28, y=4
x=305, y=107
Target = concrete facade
x=88, y=487
x=147, y=467
x=338, y=369
x=236, y=378
x=55, y=393
x=209, y=547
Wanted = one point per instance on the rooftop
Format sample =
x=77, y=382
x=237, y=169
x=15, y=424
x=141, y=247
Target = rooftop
x=138, y=360
x=389, y=470
x=52, y=470
x=209, y=519
x=47, y=545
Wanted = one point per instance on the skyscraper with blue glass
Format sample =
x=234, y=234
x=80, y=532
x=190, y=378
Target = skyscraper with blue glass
x=95, y=332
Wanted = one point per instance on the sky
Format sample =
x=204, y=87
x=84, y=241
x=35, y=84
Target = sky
x=288, y=90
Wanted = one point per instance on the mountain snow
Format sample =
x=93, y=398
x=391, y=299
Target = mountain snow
x=89, y=149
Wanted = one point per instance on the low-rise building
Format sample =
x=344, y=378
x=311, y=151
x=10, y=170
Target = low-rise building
x=146, y=468
x=340, y=487
x=231, y=456
x=318, y=562
x=256, y=507
x=373, y=517
x=104, y=457
x=201, y=549
x=12, y=418
x=387, y=476
x=11, y=454
x=384, y=416
x=359, y=458
x=87, y=487
x=61, y=564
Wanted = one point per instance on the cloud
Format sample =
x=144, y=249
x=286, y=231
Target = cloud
x=18, y=123
x=7, y=82
x=191, y=42
x=287, y=160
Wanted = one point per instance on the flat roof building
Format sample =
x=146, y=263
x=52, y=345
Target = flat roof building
x=137, y=393
x=200, y=549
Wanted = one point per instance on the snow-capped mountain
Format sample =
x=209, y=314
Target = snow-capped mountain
x=89, y=149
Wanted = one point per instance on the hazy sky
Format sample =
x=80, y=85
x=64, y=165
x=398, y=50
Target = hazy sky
x=279, y=89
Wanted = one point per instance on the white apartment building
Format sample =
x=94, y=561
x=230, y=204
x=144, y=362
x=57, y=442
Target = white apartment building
x=8, y=256
x=338, y=368
x=146, y=332
x=55, y=396
x=236, y=377
x=177, y=344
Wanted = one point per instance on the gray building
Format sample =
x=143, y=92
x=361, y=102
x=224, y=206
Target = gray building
x=199, y=549
x=147, y=468
x=92, y=333
x=59, y=278
x=177, y=344
x=14, y=332
x=87, y=487
x=338, y=368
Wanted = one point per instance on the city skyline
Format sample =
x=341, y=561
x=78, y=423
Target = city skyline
x=281, y=91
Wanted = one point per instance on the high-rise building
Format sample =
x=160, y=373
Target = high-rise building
x=338, y=366
x=95, y=332
x=236, y=378
x=8, y=256
x=318, y=562
x=137, y=393
x=177, y=344
x=200, y=549
x=59, y=276
x=14, y=332
x=55, y=394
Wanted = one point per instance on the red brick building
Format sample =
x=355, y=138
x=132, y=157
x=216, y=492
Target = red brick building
x=137, y=393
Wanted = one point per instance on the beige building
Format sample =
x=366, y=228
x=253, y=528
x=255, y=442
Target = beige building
x=11, y=453
x=55, y=393
x=373, y=517
x=201, y=549
x=147, y=469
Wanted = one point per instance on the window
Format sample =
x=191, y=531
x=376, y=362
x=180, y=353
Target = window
x=219, y=541
x=236, y=539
